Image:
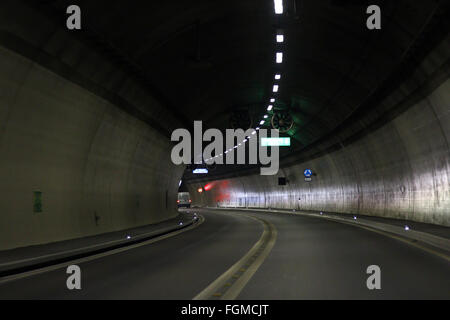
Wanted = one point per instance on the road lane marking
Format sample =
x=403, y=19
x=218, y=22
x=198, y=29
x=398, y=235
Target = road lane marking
x=412, y=242
x=99, y=255
x=77, y=250
x=230, y=284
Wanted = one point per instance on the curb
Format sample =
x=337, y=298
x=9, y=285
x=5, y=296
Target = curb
x=428, y=238
x=29, y=264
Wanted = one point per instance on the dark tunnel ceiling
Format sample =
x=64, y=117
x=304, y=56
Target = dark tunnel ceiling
x=207, y=58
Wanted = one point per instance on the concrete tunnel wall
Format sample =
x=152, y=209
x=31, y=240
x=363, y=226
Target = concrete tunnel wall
x=98, y=168
x=79, y=125
x=401, y=170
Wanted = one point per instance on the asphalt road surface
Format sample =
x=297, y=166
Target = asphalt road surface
x=308, y=258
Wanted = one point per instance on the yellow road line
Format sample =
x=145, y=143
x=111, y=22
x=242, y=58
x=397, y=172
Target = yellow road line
x=230, y=284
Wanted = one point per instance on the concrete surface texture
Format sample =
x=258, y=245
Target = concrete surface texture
x=83, y=142
x=401, y=170
x=311, y=258
x=18, y=260
x=98, y=169
x=84, y=133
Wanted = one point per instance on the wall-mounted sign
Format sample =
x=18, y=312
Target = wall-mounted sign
x=307, y=173
x=37, y=201
x=276, y=142
x=200, y=171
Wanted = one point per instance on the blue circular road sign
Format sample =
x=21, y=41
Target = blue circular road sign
x=307, y=173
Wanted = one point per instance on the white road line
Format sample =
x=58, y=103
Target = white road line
x=367, y=226
x=98, y=256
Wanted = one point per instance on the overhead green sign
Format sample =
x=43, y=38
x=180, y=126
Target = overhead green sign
x=276, y=142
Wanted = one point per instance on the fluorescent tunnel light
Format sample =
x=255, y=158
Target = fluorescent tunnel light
x=278, y=6
x=279, y=57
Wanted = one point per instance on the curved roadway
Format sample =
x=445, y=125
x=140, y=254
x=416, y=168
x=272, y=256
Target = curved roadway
x=310, y=259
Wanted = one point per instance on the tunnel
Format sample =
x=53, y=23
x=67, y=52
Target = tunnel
x=225, y=150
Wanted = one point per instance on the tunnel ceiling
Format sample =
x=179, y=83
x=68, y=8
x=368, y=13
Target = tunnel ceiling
x=207, y=59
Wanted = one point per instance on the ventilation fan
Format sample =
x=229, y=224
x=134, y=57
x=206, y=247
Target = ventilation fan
x=282, y=121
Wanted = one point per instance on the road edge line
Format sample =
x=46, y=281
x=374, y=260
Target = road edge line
x=37, y=271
